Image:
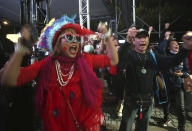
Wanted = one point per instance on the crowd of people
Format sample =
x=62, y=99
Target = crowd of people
x=68, y=91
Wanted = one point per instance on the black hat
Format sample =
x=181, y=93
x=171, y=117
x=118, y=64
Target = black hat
x=142, y=33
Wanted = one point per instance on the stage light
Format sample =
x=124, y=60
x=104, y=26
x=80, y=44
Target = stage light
x=13, y=37
x=121, y=41
x=5, y=22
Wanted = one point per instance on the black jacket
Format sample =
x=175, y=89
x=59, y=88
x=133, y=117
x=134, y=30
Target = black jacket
x=138, y=83
x=173, y=80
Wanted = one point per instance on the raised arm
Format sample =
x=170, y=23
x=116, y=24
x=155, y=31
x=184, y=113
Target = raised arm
x=11, y=70
x=166, y=62
x=111, y=50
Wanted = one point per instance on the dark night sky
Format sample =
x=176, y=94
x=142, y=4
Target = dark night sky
x=178, y=13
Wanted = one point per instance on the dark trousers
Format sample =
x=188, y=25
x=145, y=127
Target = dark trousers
x=176, y=97
x=130, y=110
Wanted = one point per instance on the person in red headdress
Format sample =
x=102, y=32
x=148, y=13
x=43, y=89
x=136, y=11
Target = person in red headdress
x=69, y=95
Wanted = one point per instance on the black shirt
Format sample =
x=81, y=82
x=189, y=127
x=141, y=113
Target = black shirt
x=122, y=54
x=138, y=83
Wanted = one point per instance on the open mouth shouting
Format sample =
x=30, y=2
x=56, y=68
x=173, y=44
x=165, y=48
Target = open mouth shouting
x=143, y=45
x=70, y=50
x=73, y=49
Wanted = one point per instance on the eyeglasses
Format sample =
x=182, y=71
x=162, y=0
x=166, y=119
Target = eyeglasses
x=69, y=37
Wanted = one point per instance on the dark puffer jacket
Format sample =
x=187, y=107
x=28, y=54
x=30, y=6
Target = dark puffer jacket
x=171, y=79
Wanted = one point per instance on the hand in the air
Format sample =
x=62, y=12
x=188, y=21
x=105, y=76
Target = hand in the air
x=25, y=33
x=132, y=32
x=102, y=28
x=167, y=25
x=150, y=29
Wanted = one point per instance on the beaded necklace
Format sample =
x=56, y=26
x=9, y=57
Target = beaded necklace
x=60, y=75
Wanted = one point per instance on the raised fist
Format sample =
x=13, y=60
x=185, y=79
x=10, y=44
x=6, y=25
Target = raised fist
x=102, y=27
x=28, y=36
x=132, y=32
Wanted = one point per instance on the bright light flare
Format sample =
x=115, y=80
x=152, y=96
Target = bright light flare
x=5, y=23
x=13, y=37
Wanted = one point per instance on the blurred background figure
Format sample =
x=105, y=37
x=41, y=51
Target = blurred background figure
x=174, y=83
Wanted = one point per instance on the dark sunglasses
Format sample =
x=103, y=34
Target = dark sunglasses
x=69, y=37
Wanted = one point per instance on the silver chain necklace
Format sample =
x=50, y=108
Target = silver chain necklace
x=143, y=69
